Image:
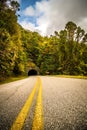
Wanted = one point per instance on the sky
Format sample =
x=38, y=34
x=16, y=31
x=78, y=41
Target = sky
x=47, y=16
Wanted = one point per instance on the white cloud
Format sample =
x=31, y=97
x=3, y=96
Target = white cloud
x=52, y=15
x=83, y=24
x=28, y=25
x=29, y=11
x=50, y=20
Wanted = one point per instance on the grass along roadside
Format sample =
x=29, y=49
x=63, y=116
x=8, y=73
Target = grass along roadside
x=71, y=76
x=11, y=79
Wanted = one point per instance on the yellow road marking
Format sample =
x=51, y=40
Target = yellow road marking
x=38, y=117
x=18, y=124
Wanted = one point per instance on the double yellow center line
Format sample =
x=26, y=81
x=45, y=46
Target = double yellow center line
x=38, y=115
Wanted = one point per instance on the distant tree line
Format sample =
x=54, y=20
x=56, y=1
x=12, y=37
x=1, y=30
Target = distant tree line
x=62, y=53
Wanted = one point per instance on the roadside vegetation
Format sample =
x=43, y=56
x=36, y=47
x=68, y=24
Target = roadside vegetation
x=11, y=79
x=71, y=76
x=64, y=53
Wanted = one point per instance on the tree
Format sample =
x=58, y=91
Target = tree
x=15, y=6
x=11, y=50
x=71, y=28
x=7, y=54
x=79, y=34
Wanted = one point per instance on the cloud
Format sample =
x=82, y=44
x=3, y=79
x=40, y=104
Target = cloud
x=51, y=19
x=29, y=11
x=52, y=15
x=83, y=24
x=28, y=25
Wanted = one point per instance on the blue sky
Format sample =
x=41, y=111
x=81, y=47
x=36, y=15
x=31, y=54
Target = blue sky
x=47, y=16
x=23, y=5
x=26, y=3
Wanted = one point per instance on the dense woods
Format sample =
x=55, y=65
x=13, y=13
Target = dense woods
x=62, y=53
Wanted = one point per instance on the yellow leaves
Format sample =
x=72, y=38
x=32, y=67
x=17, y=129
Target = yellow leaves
x=21, y=67
x=30, y=64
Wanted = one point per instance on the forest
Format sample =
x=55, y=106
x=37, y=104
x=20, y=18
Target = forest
x=65, y=52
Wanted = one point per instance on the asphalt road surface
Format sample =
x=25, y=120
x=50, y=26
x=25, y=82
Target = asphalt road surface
x=44, y=103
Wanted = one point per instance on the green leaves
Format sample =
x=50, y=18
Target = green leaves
x=5, y=53
x=12, y=57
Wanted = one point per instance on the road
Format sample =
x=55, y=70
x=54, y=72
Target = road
x=44, y=103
